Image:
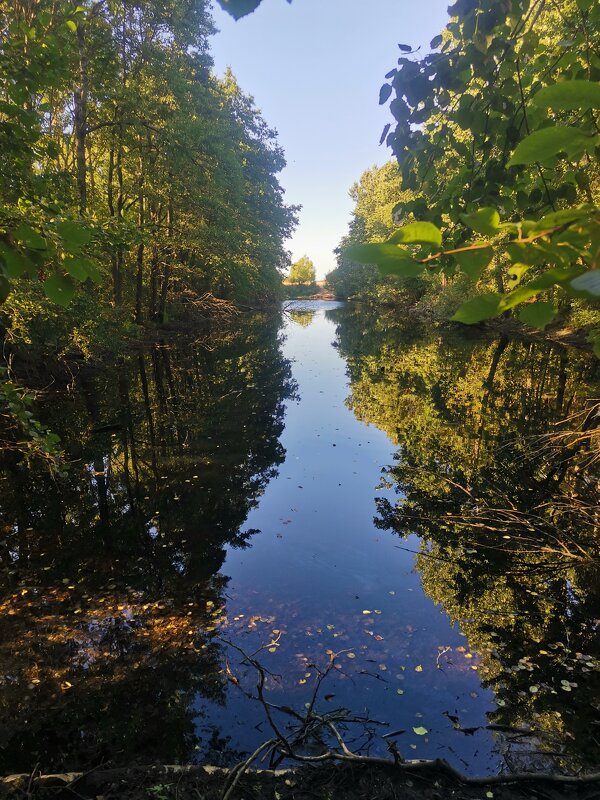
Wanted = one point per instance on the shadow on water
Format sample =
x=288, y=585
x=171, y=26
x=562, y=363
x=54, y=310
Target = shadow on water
x=191, y=510
x=110, y=577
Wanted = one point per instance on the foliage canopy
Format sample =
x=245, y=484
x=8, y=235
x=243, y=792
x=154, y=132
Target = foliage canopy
x=302, y=271
x=496, y=137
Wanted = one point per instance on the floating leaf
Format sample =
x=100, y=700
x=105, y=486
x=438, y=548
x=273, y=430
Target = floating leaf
x=420, y=731
x=418, y=668
x=350, y=655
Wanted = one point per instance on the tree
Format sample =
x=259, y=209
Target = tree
x=302, y=271
x=125, y=163
x=496, y=136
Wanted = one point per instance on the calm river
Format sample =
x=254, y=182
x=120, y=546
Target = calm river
x=325, y=485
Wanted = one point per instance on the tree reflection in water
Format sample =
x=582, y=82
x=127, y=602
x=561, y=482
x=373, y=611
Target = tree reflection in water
x=504, y=499
x=110, y=580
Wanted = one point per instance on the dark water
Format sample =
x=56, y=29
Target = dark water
x=341, y=483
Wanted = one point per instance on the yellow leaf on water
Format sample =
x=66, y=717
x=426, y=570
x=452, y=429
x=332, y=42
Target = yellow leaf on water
x=419, y=668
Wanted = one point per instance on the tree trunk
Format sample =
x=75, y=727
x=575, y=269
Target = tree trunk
x=80, y=98
x=139, y=281
x=164, y=289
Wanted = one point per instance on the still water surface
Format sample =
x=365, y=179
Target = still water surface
x=245, y=490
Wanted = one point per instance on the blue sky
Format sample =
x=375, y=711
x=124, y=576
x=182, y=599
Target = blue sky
x=314, y=68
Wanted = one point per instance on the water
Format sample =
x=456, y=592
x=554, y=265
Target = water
x=243, y=492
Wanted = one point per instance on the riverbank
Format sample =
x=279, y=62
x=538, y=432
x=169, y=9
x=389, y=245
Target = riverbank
x=327, y=782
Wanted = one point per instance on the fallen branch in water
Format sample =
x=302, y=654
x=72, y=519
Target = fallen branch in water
x=315, y=727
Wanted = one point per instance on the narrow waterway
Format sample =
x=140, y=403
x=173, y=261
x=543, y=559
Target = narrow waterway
x=330, y=488
x=325, y=579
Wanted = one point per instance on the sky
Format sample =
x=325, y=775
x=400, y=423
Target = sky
x=314, y=69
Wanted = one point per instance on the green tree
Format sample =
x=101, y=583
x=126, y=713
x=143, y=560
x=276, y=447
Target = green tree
x=135, y=184
x=302, y=271
x=496, y=137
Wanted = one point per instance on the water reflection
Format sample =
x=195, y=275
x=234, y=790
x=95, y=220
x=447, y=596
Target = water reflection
x=110, y=577
x=191, y=510
x=504, y=499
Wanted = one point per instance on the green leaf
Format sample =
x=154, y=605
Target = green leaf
x=473, y=262
x=485, y=220
x=384, y=93
x=538, y=315
x=549, y=142
x=588, y=283
x=417, y=232
x=72, y=26
x=420, y=731
x=515, y=274
x=77, y=267
x=74, y=235
x=390, y=259
x=4, y=289
x=239, y=8
x=59, y=289
x=528, y=254
x=550, y=278
x=563, y=217
x=402, y=268
x=375, y=253
x=484, y=306
x=26, y=235
x=15, y=263
x=569, y=96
